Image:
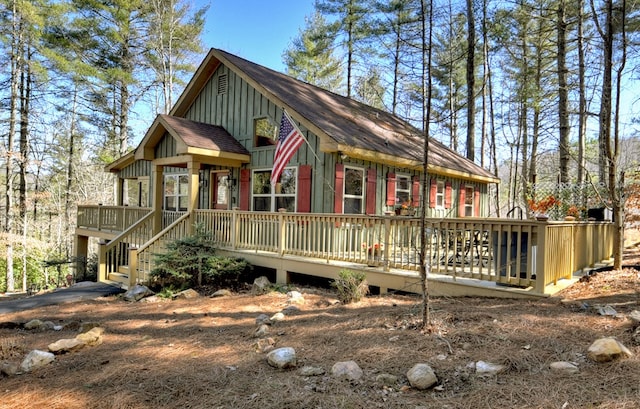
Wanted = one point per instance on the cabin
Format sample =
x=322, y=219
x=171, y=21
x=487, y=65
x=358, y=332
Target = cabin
x=346, y=198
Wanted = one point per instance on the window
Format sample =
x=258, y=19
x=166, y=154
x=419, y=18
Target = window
x=403, y=189
x=440, y=194
x=284, y=195
x=176, y=192
x=265, y=132
x=468, y=200
x=137, y=192
x=353, y=190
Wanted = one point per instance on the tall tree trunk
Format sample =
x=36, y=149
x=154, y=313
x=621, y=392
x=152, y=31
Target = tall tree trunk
x=563, y=94
x=582, y=104
x=427, y=88
x=25, y=101
x=70, y=169
x=471, y=81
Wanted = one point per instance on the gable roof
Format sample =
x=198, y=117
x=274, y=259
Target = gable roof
x=192, y=138
x=341, y=123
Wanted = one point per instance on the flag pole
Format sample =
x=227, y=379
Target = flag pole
x=284, y=111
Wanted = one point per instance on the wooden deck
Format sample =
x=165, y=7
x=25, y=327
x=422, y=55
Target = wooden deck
x=470, y=256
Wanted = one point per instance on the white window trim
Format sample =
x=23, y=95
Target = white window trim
x=177, y=194
x=469, y=207
x=272, y=194
x=440, y=194
x=362, y=197
x=408, y=190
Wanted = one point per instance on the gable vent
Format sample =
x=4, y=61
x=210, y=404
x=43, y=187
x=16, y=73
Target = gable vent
x=222, y=84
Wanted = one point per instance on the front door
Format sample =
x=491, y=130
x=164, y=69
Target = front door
x=220, y=191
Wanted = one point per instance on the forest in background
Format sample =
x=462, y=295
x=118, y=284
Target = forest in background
x=541, y=93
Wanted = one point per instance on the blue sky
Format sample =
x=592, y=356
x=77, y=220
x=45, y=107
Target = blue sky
x=257, y=30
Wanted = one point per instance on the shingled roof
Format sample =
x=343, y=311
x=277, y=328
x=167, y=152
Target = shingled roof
x=351, y=127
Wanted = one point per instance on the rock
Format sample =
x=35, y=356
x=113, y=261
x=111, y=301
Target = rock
x=261, y=285
x=282, y=358
x=347, y=370
x=487, y=368
x=564, y=367
x=607, y=349
x=72, y=326
x=308, y=370
x=47, y=326
x=221, y=293
x=58, y=327
x=87, y=326
x=137, y=292
x=263, y=319
x=9, y=369
x=93, y=337
x=294, y=297
x=261, y=331
x=291, y=310
x=264, y=345
x=33, y=324
x=62, y=346
x=387, y=379
x=278, y=316
x=422, y=376
x=636, y=336
x=152, y=299
x=634, y=316
x=606, y=310
x=36, y=359
x=187, y=294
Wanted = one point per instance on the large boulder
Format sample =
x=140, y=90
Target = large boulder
x=261, y=285
x=137, y=292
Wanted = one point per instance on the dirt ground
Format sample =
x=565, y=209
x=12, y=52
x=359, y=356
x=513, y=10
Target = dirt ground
x=200, y=353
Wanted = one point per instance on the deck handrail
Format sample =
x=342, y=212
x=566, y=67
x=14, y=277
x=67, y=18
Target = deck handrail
x=525, y=253
x=109, y=218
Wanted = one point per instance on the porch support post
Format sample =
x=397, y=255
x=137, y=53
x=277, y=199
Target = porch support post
x=541, y=279
x=158, y=196
x=133, y=266
x=81, y=253
x=282, y=276
x=119, y=186
x=194, y=185
x=102, y=261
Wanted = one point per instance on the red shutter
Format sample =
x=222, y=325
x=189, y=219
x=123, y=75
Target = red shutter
x=415, y=192
x=245, y=188
x=339, y=189
x=476, y=202
x=370, y=200
x=304, y=188
x=461, y=202
x=447, y=195
x=391, y=189
x=433, y=192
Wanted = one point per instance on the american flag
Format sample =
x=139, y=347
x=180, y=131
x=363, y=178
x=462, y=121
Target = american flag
x=289, y=140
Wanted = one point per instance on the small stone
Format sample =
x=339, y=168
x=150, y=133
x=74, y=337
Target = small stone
x=347, y=370
x=63, y=346
x=263, y=319
x=421, y=376
x=36, y=359
x=634, y=316
x=72, y=326
x=282, y=358
x=295, y=297
x=607, y=349
x=9, y=368
x=33, y=324
x=606, y=310
x=564, y=367
x=93, y=337
x=290, y=310
x=47, y=326
x=311, y=371
x=264, y=345
x=278, y=316
x=487, y=368
x=261, y=331
x=137, y=292
x=221, y=293
x=187, y=294
x=261, y=285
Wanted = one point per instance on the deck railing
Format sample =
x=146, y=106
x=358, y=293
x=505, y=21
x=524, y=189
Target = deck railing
x=514, y=252
x=110, y=218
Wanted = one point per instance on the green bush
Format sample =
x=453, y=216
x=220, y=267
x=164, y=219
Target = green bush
x=351, y=286
x=191, y=261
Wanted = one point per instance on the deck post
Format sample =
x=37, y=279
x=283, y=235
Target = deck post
x=133, y=266
x=282, y=276
x=234, y=228
x=541, y=278
x=158, y=197
x=102, y=261
x=282, y=232
x=387, y=243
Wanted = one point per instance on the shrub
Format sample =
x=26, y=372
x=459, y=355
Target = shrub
x=191, y=261
x=351, y=286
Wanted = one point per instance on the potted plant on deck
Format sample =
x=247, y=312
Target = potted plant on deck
x=405, y=209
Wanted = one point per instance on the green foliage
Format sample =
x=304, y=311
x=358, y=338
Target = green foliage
x=351, y=286
x=191, y=261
